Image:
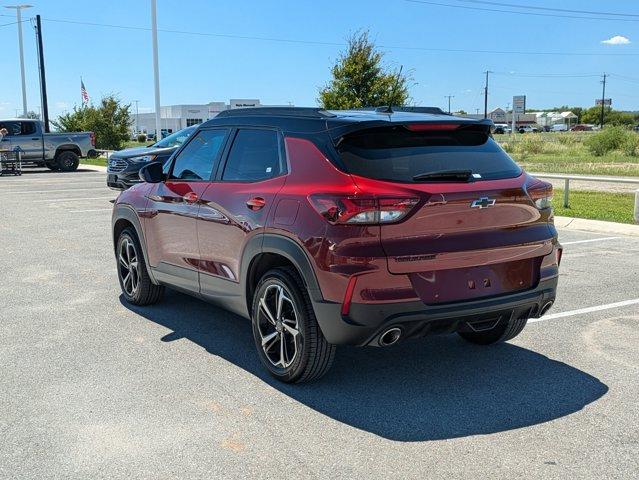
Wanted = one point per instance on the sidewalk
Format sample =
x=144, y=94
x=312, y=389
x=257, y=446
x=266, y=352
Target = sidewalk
x=597, y=226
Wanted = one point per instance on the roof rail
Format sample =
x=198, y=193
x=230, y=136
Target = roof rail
x=307, y=112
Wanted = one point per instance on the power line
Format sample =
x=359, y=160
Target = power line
x=340, y=44
x=548, y=75
x=466, y=7
x=587, y=12
x=12, y=23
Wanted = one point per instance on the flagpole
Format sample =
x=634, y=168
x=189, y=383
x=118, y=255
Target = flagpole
x=156, y=69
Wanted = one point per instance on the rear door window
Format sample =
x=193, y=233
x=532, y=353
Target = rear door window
x=254, y=156
x=27, y=128
x=398, y=154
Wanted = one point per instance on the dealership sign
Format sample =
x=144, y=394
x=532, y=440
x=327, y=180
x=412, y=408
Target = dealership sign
x=519, y=104
x=606, y=101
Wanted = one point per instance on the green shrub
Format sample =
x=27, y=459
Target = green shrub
x=508, y=147
x=631, y=147
x=531, y=145
x=609, y=139
x=567, y=139
x=141, y=137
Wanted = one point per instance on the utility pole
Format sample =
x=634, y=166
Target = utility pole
x=43, y=79
x=603, y=100
x=449, y=97
x=156, y=69
x=18, y=9
x=486, y=95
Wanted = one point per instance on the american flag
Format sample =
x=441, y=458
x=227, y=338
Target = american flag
x=83, y=93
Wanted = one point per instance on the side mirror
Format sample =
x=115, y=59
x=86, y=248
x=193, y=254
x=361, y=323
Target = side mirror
x=152, y=173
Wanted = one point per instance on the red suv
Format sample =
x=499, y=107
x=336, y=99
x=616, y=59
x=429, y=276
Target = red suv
x=343, y=227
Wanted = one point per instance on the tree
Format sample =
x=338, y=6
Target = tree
x=360, y=80
x=32, y=115
x=110, y=120
x=611, y=117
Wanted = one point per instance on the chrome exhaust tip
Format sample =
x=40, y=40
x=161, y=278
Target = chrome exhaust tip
x=390, y=337
x=545, y=308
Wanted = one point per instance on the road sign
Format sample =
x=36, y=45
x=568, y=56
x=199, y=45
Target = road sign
x=607, y=102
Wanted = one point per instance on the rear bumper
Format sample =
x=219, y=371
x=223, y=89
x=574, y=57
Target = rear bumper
x=366, y=322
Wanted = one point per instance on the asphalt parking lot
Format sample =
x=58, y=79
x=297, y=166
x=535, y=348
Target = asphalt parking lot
x=93, y=388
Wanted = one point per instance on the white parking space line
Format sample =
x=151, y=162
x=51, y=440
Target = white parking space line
x=91, y=210
x=19, y=192
x=73, y=199
x=582, y=311
x=44, y=184
x=590, y=240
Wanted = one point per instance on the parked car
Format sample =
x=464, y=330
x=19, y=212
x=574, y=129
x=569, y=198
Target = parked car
x=124, y=166
x=581, y=128
x=636, y=128
x=342, y=227
x=57, y=151
x=528, y=129
x=560, y=127
x=501, y=128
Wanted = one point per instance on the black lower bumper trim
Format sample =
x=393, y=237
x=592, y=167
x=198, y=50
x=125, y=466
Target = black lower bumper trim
x=366, y=322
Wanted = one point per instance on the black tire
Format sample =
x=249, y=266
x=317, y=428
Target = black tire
x=145, y=291
x=52, y=165
x=502, y=332
x=67, y=161
x=313, y=355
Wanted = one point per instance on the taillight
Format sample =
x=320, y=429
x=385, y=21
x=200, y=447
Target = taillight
x=361, y=210
x=541, y=194
x=92, y=138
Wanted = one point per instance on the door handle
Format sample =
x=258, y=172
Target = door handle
x=256, y=203
x=35, y=138
x=190, y=197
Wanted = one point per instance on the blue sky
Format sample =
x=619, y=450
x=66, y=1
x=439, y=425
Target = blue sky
x=203, y=68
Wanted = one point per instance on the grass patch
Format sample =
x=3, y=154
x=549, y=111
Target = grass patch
x=134, y=144
x=568, y=152
x=100, y=161
x=612, y=207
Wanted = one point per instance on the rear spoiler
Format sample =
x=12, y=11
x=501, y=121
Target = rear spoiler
x=485, y=126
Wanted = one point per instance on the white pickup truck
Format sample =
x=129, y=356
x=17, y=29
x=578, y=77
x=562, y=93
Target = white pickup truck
x=57, y=151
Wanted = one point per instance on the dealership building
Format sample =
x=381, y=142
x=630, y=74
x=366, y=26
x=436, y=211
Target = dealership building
x=177, y=117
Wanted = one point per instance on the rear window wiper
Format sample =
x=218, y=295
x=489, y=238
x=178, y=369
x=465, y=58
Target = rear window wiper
x=445, y=175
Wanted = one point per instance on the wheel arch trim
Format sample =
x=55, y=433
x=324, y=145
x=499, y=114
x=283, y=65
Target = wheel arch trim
x=287, y=248
x=125, y=212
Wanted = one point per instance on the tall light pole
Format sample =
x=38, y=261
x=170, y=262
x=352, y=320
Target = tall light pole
x=137, y=117
x=156, y=68
x=18, y=9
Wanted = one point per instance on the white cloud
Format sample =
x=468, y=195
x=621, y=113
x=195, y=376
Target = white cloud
x=617, y=40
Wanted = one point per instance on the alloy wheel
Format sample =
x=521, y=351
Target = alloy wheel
x=278, y=326
x=128, y=267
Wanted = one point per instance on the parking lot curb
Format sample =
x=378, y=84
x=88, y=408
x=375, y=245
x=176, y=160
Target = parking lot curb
x=599, y=226
x=96, y=168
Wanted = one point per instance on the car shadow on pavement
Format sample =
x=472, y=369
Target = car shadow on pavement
x=428, y=389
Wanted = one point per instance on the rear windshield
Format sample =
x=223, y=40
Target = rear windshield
x=397, y=154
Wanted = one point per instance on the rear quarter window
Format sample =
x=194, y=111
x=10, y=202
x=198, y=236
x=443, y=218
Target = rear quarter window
x=398, y=154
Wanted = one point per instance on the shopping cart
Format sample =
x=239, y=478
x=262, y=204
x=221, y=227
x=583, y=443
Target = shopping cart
x=11, y=162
